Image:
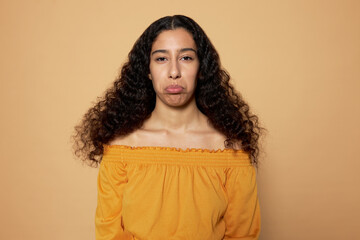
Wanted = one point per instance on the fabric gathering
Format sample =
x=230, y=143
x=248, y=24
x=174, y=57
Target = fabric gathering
x=168, y=193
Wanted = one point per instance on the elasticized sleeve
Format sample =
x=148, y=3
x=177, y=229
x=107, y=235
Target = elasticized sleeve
x=242, y=217
x=108, y=220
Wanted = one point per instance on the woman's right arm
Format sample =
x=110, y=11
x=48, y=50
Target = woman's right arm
x=112, y=179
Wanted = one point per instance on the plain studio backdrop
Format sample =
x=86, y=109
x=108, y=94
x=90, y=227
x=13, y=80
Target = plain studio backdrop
x=296, y=62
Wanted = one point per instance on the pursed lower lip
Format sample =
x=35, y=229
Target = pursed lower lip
x=174, y=89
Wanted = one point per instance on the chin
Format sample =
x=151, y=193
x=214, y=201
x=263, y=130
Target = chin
x=175, y=100
x=177, y=105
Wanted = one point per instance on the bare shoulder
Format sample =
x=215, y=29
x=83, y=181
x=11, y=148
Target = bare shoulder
x=237, y=145
x=140, y=137
x=219, y=139
x=127, y=140
x=208, y=138
x=216, y=138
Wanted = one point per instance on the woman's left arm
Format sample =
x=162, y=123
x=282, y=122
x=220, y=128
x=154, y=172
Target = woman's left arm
x=242, y=217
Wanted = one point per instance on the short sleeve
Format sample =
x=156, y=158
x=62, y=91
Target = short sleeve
x=242, y=217
x=112, y=180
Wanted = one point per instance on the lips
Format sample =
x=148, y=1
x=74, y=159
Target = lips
x=174, y=89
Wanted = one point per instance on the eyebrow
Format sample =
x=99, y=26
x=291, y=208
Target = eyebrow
x=166, y=51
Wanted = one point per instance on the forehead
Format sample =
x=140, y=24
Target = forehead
x=174, y=39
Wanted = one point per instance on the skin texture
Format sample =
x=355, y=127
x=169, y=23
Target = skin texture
x=176, y=121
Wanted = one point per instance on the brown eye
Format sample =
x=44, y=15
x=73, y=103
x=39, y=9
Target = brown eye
x=160, y=59
x=187, y=58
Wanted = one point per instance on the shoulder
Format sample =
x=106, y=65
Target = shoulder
x=128, y=140
x=237, y=145
x=138, y=137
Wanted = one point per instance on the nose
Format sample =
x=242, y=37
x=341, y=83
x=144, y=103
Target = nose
x=174, y=71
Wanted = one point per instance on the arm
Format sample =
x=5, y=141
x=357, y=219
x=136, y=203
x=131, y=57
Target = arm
x=242, y=217
x=108, y=220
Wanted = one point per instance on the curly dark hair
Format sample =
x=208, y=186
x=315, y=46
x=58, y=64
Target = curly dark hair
x=131, y=100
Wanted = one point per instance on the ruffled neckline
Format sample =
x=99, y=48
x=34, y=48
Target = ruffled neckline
x=174, y=149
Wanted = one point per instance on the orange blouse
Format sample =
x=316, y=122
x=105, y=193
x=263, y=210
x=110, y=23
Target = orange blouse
x=169, y=193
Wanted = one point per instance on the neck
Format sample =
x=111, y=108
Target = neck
x=176, y=119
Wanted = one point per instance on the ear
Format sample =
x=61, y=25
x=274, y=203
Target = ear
x=149, y=76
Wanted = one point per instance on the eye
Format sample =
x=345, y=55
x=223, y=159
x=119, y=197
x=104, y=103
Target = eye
x=160, y=59
x=187, y=58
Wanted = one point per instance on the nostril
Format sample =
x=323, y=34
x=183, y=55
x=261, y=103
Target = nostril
x=174, y=76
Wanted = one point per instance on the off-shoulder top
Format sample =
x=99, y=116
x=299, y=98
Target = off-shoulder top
x=168, y=193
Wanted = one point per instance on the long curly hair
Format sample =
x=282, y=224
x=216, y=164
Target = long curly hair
x=130, y=101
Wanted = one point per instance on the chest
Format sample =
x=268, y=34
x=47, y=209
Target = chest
x=183, y=141
x=169, y=198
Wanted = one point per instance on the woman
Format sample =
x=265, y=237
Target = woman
x=178, y=147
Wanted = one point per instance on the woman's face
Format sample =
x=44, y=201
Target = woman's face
x=173, y=67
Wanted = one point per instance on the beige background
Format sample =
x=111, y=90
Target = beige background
x=296, y=62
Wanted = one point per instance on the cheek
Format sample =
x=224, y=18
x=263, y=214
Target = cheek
x=195, y=74
x=196, y=69
x=156, y=72
x=157, y=85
